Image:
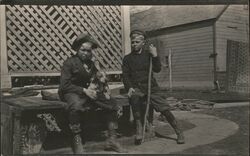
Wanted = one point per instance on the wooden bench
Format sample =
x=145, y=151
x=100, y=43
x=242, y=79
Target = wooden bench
x=23, y=132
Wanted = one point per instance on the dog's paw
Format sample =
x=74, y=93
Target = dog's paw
x=119, y=112
x=107, y=96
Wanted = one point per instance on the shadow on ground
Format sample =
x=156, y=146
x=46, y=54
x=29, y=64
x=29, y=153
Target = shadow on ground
x=237, y=144
x=95, y=137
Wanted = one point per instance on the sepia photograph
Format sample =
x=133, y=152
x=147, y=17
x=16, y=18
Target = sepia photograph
x=102, y=78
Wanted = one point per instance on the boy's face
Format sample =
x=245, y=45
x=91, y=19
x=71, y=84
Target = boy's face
x=85, y=51
x=137, y=42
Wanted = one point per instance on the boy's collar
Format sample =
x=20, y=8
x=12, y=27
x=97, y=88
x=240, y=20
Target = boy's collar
x=138, y=53
x=83, y=61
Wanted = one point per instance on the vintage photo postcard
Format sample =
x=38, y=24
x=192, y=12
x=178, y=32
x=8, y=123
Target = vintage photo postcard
x=125, y=77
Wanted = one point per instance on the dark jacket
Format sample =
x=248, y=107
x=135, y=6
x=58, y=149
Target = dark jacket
x=74, y=77
x=135, y=70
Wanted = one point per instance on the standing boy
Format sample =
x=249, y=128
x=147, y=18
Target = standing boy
x=135, y=78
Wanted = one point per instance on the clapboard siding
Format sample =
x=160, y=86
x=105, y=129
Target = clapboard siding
x=240, y=20
x=232, y=25
x=240, y=36
x=192, y=49
x=179, y=43
x=190, y=61
x=185, y=34
x=193, y=42
x=187, y=66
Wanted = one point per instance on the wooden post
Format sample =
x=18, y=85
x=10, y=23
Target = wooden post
x=148, y=98
x=5, y=76
x=126, y=47
x=215, y=55
x=170, y=69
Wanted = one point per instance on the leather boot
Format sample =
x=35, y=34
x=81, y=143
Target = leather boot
x=138, y=135
x=180, y=137
x=111, y=143
x=77, y=139
x=172, y=121
x=77, y=144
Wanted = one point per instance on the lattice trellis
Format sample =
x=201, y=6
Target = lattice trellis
x=39, y=37
x=238, y=66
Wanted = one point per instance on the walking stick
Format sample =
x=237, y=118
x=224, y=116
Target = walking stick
x=148, y=98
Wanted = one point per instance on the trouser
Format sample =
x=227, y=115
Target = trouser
x=78, y=104
x=157, y=102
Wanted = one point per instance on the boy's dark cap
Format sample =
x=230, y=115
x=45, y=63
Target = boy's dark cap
x=82, y=38
x=139, y=32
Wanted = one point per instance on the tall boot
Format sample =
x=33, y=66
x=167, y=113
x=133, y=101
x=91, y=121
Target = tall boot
x=172, y=121
x=77, y=139
x=77, y=144
x=137, y=108
x=138, y=135
x=111, y=143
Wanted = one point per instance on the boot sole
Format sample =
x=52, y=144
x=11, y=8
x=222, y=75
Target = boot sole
x=180, y=142
x=138, y=141
x=112, y=149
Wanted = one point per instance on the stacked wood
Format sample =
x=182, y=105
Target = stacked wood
x=189, y=104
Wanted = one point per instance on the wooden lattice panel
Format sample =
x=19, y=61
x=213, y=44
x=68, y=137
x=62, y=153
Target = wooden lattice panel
x=238, y=66
x=39, y=38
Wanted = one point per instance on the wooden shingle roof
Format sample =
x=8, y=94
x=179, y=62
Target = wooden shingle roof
x=158, y=17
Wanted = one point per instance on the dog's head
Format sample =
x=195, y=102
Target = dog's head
x=101, y=76
x=99, y=83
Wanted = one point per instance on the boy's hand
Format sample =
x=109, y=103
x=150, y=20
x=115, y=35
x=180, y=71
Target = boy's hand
x=130, y=92
x=119, y=112
x=90, y=93
x=107, y=96
x=152, y=50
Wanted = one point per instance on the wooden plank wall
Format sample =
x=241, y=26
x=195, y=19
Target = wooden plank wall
x=5, y=76
x=191, y=64
x=126, y=29
x=39, y=38
x=233, y=24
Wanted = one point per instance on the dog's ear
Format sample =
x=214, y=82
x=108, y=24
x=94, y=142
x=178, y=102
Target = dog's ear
x=98, y=75
x=92, y=79
x=105, y=75
x=96, y=63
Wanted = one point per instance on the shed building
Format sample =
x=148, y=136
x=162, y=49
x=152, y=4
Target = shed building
x=199, y=37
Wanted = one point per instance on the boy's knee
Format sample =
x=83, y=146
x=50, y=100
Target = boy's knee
x=137, y=115
x=78, y=106
x=75, y=128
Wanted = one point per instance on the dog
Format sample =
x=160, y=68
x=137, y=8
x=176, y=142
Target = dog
x=99, y=83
